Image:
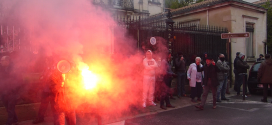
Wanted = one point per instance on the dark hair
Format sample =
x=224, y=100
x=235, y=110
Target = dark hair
x=180, y=54
x=267, y=56
x=238, y=53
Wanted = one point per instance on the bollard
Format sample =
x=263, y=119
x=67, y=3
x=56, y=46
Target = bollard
x=244, y=86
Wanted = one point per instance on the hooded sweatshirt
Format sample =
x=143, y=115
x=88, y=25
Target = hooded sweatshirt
x=150, y=66
x=265, y=71
x=241, y=65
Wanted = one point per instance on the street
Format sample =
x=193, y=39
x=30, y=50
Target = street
x=232, y=112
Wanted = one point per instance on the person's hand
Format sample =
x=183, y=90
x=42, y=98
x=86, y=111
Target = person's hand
x=213, y=63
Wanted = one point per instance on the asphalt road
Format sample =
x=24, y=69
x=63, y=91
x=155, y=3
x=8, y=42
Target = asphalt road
x=232, y=112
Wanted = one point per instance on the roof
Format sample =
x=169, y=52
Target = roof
x=208, y=3
x=199, y=6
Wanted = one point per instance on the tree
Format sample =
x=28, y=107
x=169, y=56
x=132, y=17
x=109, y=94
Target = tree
x=269, y=26
x=174, y=4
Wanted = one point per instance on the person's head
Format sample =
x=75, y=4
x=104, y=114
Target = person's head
x=238, y=53
x=197, y=60
x=208, y=60
x=205, y=55
x=261, y=55
x=267, y=56
x=148, y=54
x=222, y=57
x=5, y=61
x=242, y=56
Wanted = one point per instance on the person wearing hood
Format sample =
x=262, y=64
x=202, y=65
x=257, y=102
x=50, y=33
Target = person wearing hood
x=264, y=75
x=222, y=77
x=242, y=67
x=150, y=66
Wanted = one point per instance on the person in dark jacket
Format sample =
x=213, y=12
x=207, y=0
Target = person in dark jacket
x=167, y=74
x=261, y=58
x=235, y=71
x=242, y=67
x=181, y=69
x=210, y=81
x=264, y=75
x=205, y=55
x=11, y=83
x=222, y=77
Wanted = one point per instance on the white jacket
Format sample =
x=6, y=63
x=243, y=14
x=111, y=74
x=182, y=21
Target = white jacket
x=149, y=67
x=194, y=75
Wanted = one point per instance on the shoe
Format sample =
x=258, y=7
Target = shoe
x=170, y=106
x=263, y=100
x=193, y=101
x=199, y=107
x=225, y=99
x=144, y=105
x=184, y=95
x=152, y=103
x=37, y=121
x=163, y=107
x=218, y=100
x=245, y=95
x=214, y=107
x=228, y=93
x=199, y=99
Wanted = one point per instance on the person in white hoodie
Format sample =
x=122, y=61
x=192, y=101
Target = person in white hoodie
x=149, y=78
x=195, y=80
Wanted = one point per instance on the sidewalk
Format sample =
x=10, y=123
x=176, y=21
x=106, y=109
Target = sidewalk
x=30, y=110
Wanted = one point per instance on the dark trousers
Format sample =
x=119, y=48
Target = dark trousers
x=167, y=81
x=240, y=79
x=45, y=99
x=164, y=98
x=196, y=91
x=60, y=114
x=265, y=89
x=181, y=83
x=9, y=101
x=206, y=89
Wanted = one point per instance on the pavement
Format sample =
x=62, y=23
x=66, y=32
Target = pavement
x=26, y=113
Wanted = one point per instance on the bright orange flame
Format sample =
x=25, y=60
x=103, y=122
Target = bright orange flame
x=90, y=79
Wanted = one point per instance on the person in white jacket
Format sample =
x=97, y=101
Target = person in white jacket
x=149, y=78
x=195, y=79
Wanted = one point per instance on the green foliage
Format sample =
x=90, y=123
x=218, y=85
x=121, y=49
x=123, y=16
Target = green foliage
x=174, y=4
x=269, y=26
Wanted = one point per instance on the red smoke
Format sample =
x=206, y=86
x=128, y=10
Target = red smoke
x=86, y=35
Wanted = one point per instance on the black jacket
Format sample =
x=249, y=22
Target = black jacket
x=235, y=60
x=241, y=66
x=213, y=70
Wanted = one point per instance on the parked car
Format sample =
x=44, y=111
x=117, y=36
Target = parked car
x=253, y=84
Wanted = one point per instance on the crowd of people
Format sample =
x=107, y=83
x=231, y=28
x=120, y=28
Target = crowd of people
x=204, y=75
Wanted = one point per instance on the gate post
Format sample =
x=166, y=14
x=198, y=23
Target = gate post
x=169, y=30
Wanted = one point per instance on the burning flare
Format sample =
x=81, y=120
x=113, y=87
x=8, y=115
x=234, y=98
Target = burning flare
x=90, y=79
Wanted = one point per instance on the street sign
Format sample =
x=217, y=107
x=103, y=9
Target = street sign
x=234, y=35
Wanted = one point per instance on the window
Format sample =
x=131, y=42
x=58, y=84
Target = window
x=249, y=41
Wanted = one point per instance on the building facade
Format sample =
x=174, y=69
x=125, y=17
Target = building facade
x=237, y=16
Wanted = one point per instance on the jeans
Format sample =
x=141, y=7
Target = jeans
x=196, y=91
x=9, y=101
x=236, y=80
x=222, y=88
x=239, y=83
x=181, y=83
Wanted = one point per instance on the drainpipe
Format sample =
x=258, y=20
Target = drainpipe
x=207, y=17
